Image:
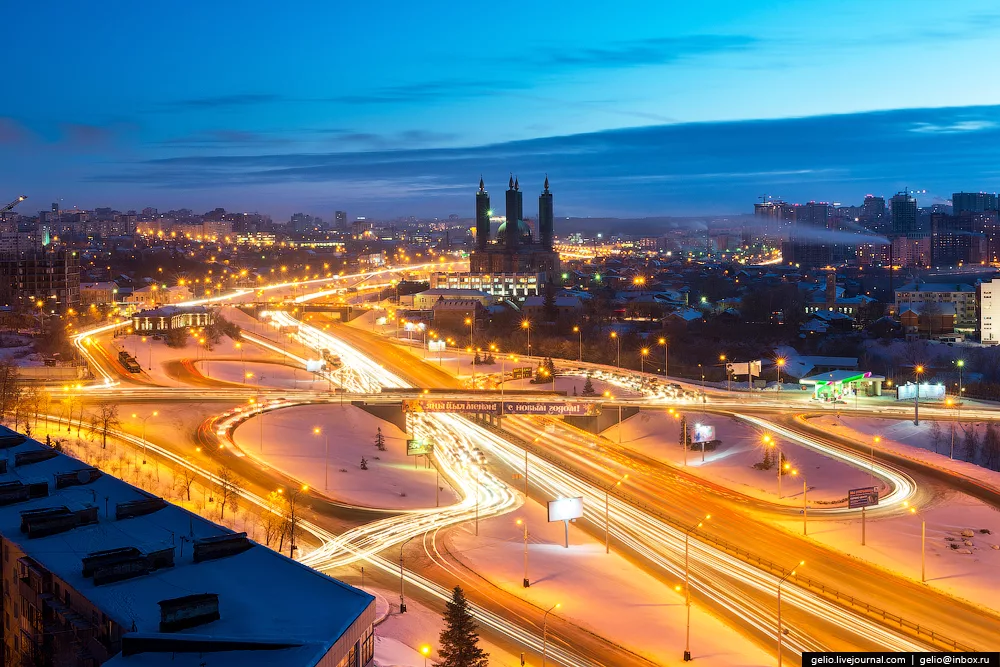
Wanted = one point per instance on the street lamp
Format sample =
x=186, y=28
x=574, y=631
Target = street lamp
x=524, y=523
x=961, y=364
x=607, y=513
x=617, y=339
x=771, y=442
x=805, y=511
x=643, y=353
x=607, y=394
x=923, y=541
x=545, y=646
x=663, y=342
x=326, y=458
x=526, y=325
x=687, y=587
x=729, y=377
x=143, y=420
x=425, y=651
x=579, y=332
x=780, y=363
x=917, y=372
x=781, y=581
x=472, y=323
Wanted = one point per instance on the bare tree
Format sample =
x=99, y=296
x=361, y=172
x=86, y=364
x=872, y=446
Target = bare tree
x=230, y=487
x=272, y=518
x=185, y=478
x=10, y=386
x=936, y=435
x=991, y=446
x=107, y=419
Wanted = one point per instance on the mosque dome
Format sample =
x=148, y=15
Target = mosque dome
x=523, y=231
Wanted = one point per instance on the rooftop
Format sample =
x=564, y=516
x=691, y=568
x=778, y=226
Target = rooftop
x=292, y=605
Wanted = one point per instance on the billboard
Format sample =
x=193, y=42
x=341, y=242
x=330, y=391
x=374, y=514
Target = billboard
x=450, y=405
x=908, y=391
x=314, y=365
x=747, y=368
x=435, y=345
x=522, y=372
x=565, y=509
x=571, y=408
x=866, y=496
x=418, y=447
x=703, y=433
x=551, y=409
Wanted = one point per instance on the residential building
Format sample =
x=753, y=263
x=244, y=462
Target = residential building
x=151, y=583
x=454, y=313
x=564, y=307
x=904, y=216
x=973, y=202
x=99, y=294
x=425, y=300
x=989, y=312
x=915, y=296
x=46, y=280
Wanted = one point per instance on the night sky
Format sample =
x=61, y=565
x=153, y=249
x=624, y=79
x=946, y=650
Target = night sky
x=394, y=108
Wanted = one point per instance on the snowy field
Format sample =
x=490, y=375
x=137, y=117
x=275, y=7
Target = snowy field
x=398, y=639
x=970, y=569
x=649, y=615
x=568, y=383
x=926, y=443
x=656, y=433
x=391, y=481
x=263, y=374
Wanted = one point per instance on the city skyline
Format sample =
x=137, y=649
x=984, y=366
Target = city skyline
x=714, y=106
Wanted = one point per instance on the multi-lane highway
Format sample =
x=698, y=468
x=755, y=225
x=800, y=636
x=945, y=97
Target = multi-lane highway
x=727, y=574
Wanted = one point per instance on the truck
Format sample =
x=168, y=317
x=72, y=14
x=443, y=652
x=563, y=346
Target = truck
x=129, y=362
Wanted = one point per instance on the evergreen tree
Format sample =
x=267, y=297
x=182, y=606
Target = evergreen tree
x=364, y=463
x=588, y=388
x=684, y=437
x=460, y=637
x=477, y=360
x=380, y=440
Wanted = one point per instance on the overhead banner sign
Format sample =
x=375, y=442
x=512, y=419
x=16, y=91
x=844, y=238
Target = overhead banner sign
x=864, y=497
x=572, y=408
x=527, y=408
x=418, y=447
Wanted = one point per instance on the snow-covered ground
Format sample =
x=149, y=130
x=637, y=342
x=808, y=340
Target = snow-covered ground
x=568, y=383
x=970, y=571
x=399, y=637
x=263, y=374
x=635, y=610
x=393, y=479
x=925, y=443
x=656, y=433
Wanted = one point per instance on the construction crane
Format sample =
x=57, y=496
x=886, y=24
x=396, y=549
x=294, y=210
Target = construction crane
x=14, y=203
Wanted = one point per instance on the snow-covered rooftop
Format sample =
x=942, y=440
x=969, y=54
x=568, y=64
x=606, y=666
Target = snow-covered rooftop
x=263, y=596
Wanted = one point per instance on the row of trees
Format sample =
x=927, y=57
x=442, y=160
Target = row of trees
x=981, y=447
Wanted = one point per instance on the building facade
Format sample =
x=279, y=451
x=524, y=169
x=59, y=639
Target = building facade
x=49, y=278
x=989, y=312
x=168, y=318
x=917, y=296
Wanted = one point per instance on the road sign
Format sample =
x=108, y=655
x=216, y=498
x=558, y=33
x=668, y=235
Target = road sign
x=418, y=447
x=863, y=497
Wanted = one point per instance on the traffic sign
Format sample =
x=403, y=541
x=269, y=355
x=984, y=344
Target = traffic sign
x=864, y=497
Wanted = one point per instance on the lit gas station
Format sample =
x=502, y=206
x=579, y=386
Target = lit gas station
x=841, y=385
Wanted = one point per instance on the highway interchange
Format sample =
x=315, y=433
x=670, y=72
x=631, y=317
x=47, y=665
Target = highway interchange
x=734, y=567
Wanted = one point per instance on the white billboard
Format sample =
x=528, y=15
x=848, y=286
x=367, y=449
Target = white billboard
x=703, y=433
x=435, y=345
x=565, y=509
x=314, y=365
x=908, y=391
x=748, y=368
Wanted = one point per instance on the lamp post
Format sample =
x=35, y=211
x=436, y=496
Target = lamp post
x=524, y=524
x=545, y=638
x=687, y=586
x=781, y=581
x=607, y=512
x=729, y=377
x=526, y=325
x=917, y=372
x=663, y=342
x=617, y=339
x=805, y=515
x=425, y=651
x=143, y=420
x=472, y=323
x=607, y=394
x=780, y=363
x=961, y=364
x=643, y=353
x=871, y=473
x=923, y=541
x=579, y=332
x=326, y=458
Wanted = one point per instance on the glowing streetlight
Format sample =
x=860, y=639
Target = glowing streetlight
x=781, y=581
x=687, y=587
x=545, y=617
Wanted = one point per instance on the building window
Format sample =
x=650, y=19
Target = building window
x=368, y=646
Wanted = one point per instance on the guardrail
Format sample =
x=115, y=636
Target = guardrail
x=909, y=627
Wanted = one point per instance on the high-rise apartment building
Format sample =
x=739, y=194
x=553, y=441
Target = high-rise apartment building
x=340, y=221
x=973, y=202
x=904, y=216
x=989, y=312
x=49, y=278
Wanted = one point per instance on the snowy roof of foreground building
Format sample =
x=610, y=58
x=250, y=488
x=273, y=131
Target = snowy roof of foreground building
x=936, y=287
x=170, y=311
x=263, y=597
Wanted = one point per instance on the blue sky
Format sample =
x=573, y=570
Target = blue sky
x=653, y=108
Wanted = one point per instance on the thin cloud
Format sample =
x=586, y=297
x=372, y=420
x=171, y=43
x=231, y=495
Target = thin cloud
x=13, y=132
x=639, y=53
x=959, y=127
x=228, y=101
